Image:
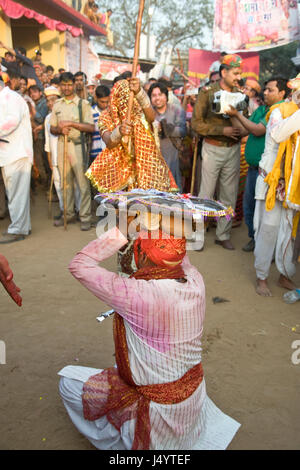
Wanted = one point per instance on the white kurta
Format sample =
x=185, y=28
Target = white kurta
x=273, y=229
x=51, y=146
x=16, y=157
x=164, y=324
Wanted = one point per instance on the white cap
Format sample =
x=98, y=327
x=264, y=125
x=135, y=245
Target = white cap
x=51, y=90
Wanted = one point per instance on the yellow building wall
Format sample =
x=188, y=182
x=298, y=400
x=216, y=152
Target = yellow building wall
x=5, y=30
x=52, y=46
x=31, y=35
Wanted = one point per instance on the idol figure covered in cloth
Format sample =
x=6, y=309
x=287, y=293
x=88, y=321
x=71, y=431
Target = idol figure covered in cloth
x=139, y=163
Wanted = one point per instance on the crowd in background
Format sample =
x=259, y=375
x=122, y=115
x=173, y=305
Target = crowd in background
x=39, y=85
x=183, y=124
x=32, y=78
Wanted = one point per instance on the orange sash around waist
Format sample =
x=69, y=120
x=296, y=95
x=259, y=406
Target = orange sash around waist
x=113, y=393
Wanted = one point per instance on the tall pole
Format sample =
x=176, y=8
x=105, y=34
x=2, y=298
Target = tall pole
x=136, y=56
x=65, y=180
x=80, y=51
x=148, y=31
x=150, y=14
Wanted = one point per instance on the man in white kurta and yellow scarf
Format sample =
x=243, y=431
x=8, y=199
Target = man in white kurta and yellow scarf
x=277, y=208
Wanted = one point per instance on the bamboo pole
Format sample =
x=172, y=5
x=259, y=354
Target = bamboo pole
x=65, y=180
x=185, y=77
x=194, y=166
x=50, y=196
x=135, y=57
x=179, y=60
x=80, y=50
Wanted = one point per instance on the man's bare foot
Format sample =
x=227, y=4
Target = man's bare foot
x=286, y=283
x=262, y=288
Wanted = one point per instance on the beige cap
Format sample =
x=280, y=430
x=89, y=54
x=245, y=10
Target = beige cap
x=51, y=90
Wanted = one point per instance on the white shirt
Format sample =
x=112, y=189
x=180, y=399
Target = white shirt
x=278, y=130
x=269, y=156
x=51, y=141
x=283, y=130
x=15, y=127
x=215, y=66
x=172, y=98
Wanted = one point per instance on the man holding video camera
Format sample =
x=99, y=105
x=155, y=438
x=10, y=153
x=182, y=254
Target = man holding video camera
x=221, y=143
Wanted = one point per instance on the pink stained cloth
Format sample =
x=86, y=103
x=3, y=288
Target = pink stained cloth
x=162, y=320
x=15, y=10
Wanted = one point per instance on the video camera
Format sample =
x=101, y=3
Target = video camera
x=223, y=99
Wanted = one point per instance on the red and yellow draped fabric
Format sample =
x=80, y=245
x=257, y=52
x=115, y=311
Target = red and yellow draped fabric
x=116, y=169
x=200, y=62
x=289, y=153
x=239, y=213
x=288, y=160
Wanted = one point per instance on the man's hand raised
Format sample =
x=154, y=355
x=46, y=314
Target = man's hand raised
x=6, y=276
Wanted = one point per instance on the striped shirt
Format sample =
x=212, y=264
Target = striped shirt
x=164, y=324
x=97, y=143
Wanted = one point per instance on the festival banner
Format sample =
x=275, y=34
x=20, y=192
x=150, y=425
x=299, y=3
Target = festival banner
x=200, y=62
x=254, y=24
x=109, y=69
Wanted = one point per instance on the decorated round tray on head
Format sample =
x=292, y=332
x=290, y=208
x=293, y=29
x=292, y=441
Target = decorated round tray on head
x=163, y=202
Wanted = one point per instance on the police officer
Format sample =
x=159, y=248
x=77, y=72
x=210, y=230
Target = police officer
x=72, y=116
x=221, y=145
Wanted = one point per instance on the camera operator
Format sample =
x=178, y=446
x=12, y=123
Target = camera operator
x=221, y=144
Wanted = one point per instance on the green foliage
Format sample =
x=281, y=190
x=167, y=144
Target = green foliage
x=176, y=23
x=277, y=62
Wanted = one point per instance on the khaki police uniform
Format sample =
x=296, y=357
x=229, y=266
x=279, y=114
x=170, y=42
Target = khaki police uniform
x=68, y=110
x=220, y=156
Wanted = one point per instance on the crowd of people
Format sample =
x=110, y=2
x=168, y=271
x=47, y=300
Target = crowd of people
x=91, y=10
x=65, y=133
x=231, y=147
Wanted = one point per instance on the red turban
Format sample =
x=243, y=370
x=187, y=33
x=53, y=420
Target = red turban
x=232, y=60
x=164, y=252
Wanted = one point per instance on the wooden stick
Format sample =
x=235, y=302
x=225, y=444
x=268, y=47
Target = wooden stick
x=80, y=49
x=65, y=179
x=135, y=57
x=50, y=196
x=185, y=77
x=180, y=61
x=194, y=167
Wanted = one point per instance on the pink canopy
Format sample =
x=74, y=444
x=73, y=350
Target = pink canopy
x=15, y=10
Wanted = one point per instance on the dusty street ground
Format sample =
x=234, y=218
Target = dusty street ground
x=247, y=342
